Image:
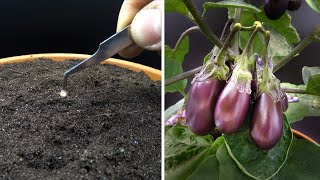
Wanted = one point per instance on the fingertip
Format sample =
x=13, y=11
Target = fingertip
x=146, y=29
x=131, y=51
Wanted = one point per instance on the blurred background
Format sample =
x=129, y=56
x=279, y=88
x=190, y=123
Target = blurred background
x=304, y=20
x=60, y=26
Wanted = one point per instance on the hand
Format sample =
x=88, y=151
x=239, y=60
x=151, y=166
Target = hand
x=145, y=19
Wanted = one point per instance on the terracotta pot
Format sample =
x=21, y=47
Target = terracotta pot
x=153, y=74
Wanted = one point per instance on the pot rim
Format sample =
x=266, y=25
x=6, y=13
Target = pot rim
x=152, y=73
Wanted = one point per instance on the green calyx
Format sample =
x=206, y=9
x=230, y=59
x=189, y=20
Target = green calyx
x=268, y=83
x=211, y=70
x=271, y=87
x=242, y=78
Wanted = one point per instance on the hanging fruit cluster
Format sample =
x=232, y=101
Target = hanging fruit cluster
x=221, y=95
x=274, y=9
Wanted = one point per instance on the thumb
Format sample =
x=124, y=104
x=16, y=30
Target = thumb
x=146, y=26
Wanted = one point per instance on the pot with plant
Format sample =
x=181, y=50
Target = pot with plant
x=234, y=123
x=100, y=130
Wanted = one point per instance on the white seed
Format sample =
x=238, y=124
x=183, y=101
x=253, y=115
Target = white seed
x=63, y=93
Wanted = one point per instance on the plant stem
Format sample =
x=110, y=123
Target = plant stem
x=304, y=43
x=295, y=90
x=220, y=59
x=226, y=30
x=204, y=27
x=266, y=68
x=184, y=34
x=182, y=76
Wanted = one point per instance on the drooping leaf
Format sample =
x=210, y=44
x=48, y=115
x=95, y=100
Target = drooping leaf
x=282, y=34
x=307, y=72
x=228, y=169
x=256, y=163
x=303, y=162
x=313, y=85
x=176, y=6
x=231, y=4
x=172, y=110
x=307, y=106
x=314, y=4
x=208, y=169
x=173, y=65
x=184, y=151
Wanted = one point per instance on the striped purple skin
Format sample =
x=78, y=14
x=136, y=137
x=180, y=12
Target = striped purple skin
x=231, y=109
x=267, y=122
x=200, y=106
x=274, y=9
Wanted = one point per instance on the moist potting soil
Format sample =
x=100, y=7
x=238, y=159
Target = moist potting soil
x=108, y=127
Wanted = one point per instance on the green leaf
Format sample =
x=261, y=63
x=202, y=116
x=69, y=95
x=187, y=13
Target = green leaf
x=173, y=110
x=303, y=162
x=176, y=6
x=314, y=4
x=228, y=169
x=313, y=86
x=282, y=34
x=203, y=170
x=258, y=164
x=207, y=170
x=173, y=65
x=307, y=106
x=184, y=151
x=307, y=72
x=231, y=4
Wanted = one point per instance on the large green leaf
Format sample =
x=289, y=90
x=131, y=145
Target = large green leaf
x=173, y=110
x=313, y=86
x=208, y=169
x=311, y=77
x=307, y=72
x=303, y=162
x=283, y=34
x=176, y=6
x=258, y=164
x=184, y=151
x=307, y=106
x=230, y=4
x=314, y=4
x=173, y=65
x=228, y=169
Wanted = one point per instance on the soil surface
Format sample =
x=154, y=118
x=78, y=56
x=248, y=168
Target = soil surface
x=108, y=127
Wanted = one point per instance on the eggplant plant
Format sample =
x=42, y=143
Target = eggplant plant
x=234, y=121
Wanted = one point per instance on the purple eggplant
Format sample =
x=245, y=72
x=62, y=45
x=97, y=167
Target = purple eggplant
x=284, y=102
x=267, y=122
x=200, y=106
x=274, y=9
x=294, y=5
x=231, y=109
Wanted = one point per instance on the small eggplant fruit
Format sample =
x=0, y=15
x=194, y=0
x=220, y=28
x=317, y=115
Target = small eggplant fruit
x=231, y=108
x=274, y=9
x=201, y=103
x=284, y=101
x=294, y=5
x=267, y=122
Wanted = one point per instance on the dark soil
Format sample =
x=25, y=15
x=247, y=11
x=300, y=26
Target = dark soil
x=108, y=127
